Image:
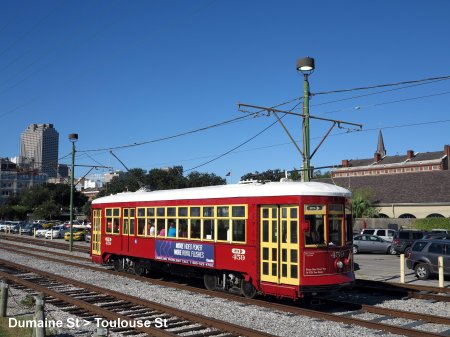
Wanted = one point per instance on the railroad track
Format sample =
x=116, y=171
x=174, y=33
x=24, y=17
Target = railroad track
x=350, y=318
x=94, y=304
x=43, y=242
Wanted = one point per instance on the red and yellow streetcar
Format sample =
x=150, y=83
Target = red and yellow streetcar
x=285, y=239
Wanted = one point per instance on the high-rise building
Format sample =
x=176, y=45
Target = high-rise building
x=39, y=148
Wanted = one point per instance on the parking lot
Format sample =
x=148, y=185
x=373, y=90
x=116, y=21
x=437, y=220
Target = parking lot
x=379, y=267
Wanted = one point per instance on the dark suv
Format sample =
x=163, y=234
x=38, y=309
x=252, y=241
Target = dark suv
x=404, y=239
x=423, y=258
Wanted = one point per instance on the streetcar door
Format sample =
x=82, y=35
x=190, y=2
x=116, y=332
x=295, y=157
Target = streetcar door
x=127, y=228
x=96, y=232
x=279, y=244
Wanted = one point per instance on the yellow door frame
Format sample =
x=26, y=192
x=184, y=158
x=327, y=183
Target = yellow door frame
x=96, y=232
x=279, y=244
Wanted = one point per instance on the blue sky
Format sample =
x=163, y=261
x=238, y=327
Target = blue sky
x=125, y=72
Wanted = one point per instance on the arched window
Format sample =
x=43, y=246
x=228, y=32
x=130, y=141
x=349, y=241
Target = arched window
x=383, y=216
x=407, y=216
x=435, y=215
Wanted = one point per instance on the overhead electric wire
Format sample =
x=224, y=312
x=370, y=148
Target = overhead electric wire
x=240, y=118
x=440, y=78
x=242, y=144
x=385, y=103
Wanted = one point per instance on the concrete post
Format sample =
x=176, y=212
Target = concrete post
x=402, y=268
x=441, y=271
x=3, y=299
x=39, y=315
x=101, y=332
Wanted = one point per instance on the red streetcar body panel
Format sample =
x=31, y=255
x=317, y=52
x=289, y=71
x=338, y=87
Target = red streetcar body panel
x=284, y=269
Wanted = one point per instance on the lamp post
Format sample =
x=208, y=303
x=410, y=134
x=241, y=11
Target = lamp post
x=73, y=137
x=306, y=67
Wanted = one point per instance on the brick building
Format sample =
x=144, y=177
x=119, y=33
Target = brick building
x=413, y=185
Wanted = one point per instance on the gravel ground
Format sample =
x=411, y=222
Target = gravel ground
x=276, y=323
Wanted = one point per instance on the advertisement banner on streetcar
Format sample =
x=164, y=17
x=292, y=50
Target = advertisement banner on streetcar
x=199, y=254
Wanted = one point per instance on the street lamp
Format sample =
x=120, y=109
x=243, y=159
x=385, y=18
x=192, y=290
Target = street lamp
x=306, y=67
x=73, y=137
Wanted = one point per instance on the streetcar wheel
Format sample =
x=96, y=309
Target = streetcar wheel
x=422, y=271
x=210, y=281
x=117, y=264
x=139, y=269
x=355, y=249
x=247, y=289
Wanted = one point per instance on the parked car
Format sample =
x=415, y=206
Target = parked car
x=78, y=234
x=439, y=230
x=40, y=233
x=436, y=236
x=386, y=234
x=404, y=239
x=56, y=232
x=423, y=258
x=371, y=244
x=29, y=228
x=87, y=237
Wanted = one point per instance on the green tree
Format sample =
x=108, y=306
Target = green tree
x=269, y=175
x=165, y=179
x=197, y=179
x=362, y=204
x=49, y=209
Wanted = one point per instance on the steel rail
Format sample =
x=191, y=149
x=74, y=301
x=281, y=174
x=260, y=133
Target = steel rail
x=200, y=319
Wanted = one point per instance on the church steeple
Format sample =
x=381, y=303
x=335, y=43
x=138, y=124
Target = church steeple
x=380, y=148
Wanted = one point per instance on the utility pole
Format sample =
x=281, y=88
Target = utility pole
x=306, y=67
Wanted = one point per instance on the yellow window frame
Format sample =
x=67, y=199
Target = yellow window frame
x=113, y=217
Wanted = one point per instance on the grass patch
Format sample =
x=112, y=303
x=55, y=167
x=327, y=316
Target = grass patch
x=28, y=301
x=6, y=331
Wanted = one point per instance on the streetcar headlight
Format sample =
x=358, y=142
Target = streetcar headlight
x=340, y=264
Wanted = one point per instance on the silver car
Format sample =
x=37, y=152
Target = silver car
x=371, y=244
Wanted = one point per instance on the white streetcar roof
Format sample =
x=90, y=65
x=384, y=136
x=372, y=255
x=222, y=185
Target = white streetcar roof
x=253, y=189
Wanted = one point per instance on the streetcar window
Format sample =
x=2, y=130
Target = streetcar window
x=195, y=229
x=284, y=229
x=223, y=230
x=141, y=226
x=151, y=212
x=208, y=211
x=161, y=227
x=238, y=212
x=265, y=231
x=112, y=221
x=116, y=222
x=316, y=235
x=335, y=230
x=182, y=228
x=223, y=211
x=140, y=212
x=161, y=211
x=182, y=211
x=171, y=211
x=208, y=229
x=238, y=230
x=194, y=211
x=294, y=226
